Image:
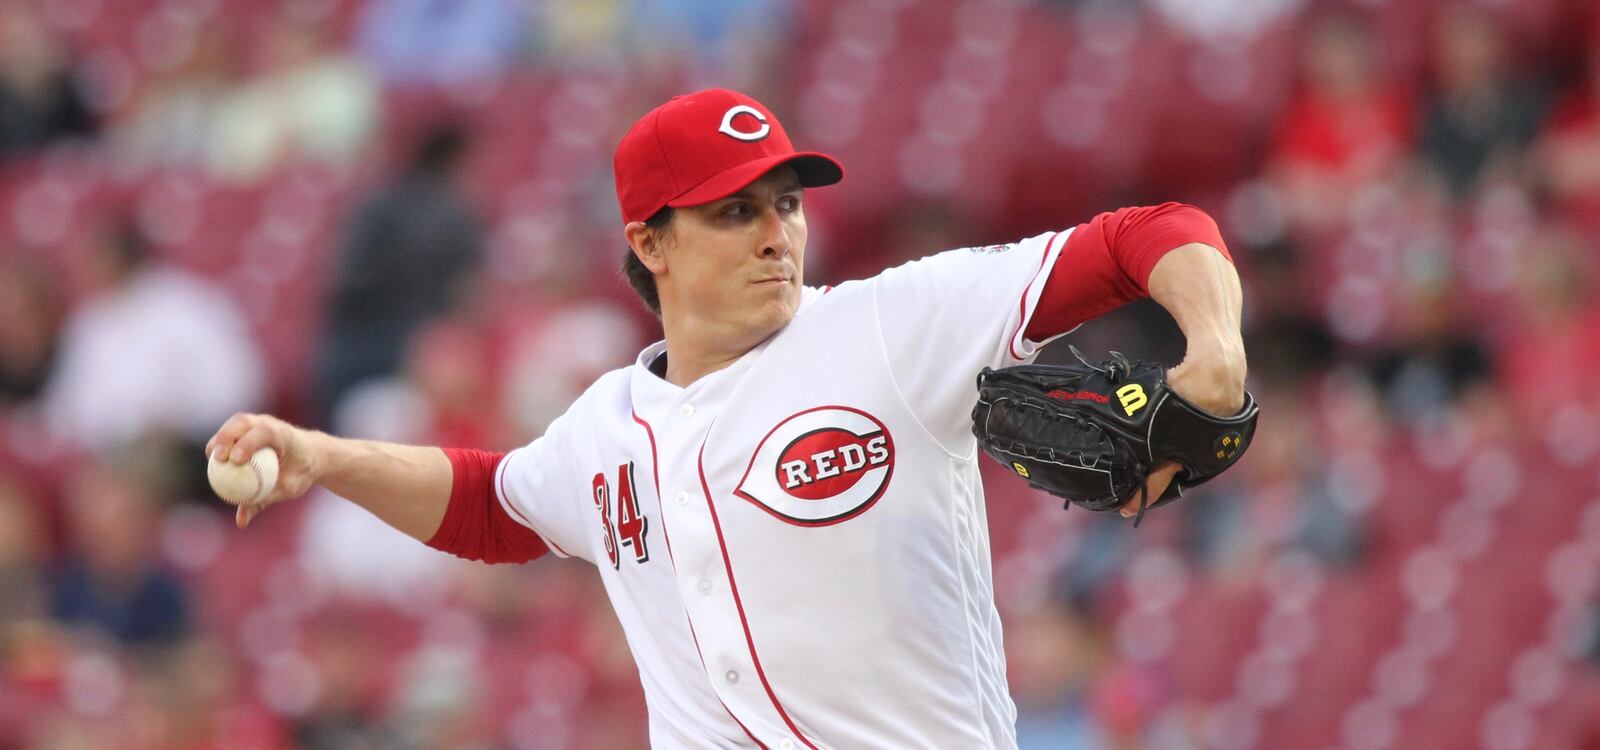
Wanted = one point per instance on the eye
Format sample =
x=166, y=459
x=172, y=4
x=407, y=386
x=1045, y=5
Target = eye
x=736, y=210
x=789, y=203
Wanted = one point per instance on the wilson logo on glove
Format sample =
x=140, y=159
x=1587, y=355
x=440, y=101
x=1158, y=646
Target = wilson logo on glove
x=1132, y=397
x=1037, y=420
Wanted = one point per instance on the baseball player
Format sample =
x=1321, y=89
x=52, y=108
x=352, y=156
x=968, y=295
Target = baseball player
x=782, y=497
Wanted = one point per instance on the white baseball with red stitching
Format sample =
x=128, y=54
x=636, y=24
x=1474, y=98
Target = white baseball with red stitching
x=247, y=483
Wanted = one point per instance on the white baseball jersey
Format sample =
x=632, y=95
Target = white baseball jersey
x=796, y=545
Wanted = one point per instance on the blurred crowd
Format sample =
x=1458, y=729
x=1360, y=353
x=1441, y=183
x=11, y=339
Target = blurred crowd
x=393, y=219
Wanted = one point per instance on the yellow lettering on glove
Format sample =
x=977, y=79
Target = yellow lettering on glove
x=1132, y=398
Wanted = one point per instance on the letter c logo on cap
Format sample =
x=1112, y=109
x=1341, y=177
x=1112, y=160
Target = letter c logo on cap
x=744, y=109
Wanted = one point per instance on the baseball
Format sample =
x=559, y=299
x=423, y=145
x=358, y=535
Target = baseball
x=247, y=483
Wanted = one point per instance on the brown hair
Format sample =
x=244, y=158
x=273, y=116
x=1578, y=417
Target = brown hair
x=640, y=277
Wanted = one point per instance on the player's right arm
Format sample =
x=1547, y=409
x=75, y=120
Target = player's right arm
x=406, y=486
x=444, y=498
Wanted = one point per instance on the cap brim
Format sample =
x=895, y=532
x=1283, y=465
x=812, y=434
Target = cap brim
x=814, y=170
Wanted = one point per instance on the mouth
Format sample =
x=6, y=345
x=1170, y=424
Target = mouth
x=772, y=281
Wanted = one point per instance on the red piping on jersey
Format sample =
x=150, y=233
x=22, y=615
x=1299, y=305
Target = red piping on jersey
x=655, y=474
x=1022, y=305
x=701, y=654
x=500, y=490
x=733, y=586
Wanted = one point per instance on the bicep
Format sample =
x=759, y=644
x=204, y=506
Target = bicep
x=1107, y=261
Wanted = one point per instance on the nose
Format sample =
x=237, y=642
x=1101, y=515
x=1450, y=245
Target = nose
x=774, y=235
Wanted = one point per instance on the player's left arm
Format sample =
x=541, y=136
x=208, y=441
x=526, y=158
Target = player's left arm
x=1174, y=254
x=1200, y=289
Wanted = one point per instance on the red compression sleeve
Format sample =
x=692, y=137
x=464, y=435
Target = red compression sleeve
x=1106, y=263
x=475, y=526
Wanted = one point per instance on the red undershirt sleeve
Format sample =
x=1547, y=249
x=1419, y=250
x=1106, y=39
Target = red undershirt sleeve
x=1106, y=263
x=475, y=525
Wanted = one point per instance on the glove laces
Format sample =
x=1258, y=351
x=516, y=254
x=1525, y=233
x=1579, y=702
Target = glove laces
x=1117, y=368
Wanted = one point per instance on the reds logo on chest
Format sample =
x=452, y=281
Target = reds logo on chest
x=820, y=466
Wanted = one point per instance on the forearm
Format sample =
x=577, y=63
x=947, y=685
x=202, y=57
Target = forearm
x=408, y=487
x=1200, y=288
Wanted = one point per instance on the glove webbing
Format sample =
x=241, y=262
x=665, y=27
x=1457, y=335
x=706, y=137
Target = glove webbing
x=1120, y=365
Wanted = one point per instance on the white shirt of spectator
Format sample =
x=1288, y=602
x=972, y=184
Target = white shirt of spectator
x=796, y=545
x=168, y=351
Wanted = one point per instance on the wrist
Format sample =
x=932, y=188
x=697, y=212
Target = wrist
x=1212, y=378
x=315, y=450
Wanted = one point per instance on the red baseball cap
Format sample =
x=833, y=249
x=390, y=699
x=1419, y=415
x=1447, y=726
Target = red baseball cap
x=700, y=147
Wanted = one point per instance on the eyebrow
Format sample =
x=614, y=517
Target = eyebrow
x=747, y=193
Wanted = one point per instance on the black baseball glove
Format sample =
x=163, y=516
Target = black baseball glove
x=1091, y=434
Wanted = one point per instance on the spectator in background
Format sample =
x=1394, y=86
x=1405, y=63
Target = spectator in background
x=153, y=348
x=308, y=100
x=23, y=556
x=112, y=580
x=1552, y=355
x=192, y=697
x=1480, y=115
x=1053, y=656
x=574, y=33
x=736, y=43
x=1568, y=154
x=408, y=253
x=1435, y=360
x=349, y=705
x=441, y=42
x=437, y=398
x=1285, y=334
x=1282, y=499
x=29, y=332
x=556, y=350
x=1345, y=128
x=40, y=100
x=174, y=120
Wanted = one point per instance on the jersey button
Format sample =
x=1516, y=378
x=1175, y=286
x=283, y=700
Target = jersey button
x=682, y=498
x=732, y=677
x=686, y=411
x=786, y=744
x=705, y=585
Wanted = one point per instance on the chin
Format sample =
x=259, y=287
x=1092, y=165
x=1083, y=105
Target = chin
x=775, y=315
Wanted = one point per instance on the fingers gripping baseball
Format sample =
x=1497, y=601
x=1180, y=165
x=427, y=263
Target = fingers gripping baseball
x=243, y=435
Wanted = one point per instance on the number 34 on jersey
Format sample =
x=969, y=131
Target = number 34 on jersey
x=631, y=526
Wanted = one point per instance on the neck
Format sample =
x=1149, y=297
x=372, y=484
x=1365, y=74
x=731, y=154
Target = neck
x=697, y=347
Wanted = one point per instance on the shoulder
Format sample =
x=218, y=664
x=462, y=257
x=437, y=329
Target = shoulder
x=972, y=264
x=607, y=392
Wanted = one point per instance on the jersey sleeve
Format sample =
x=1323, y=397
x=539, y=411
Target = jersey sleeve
x=536, y=490
x=475, y=525
x=1107, y=262
x=945, y=317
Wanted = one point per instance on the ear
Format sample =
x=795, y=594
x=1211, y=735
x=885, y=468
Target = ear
x=646, y=245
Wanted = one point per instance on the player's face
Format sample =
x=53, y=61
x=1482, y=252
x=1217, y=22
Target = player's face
x=738, y=262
